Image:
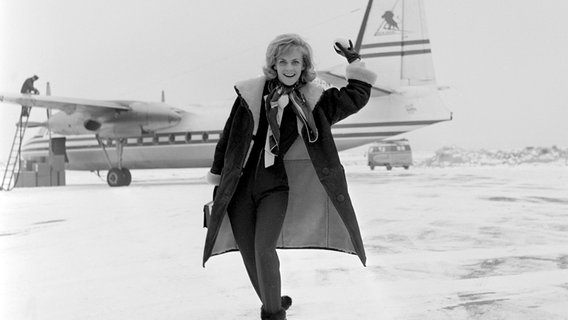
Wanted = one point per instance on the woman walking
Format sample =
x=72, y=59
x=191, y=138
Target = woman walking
x=278, y=171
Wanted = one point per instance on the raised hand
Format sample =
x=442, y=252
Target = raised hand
x=345, y=48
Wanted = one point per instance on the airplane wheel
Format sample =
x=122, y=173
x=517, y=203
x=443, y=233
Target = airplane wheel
x=389, y=168
x=372, y=167
x=116, y=177
x=127, y=177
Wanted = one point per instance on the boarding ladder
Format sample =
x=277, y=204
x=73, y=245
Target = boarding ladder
x=14, y=159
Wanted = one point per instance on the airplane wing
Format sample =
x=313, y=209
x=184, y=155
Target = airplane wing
x=109, y=119
x=65, y=104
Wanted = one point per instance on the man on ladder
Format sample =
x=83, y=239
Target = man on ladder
x=13, y=164
x=28, y=88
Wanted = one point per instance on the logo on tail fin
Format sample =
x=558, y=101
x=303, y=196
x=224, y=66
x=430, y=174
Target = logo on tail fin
x=390, y=24
x=388, y=16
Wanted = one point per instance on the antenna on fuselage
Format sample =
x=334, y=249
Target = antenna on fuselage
x=48, y=93
x=48, y=111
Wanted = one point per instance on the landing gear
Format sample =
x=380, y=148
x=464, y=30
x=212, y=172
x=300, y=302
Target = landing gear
x=116, y=176
x=119, y=177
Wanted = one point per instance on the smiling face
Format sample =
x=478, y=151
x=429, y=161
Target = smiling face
x=289, y=66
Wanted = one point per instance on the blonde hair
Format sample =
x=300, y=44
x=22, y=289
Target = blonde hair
x=282, y=44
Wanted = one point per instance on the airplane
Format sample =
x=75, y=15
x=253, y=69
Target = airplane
x=392, y=40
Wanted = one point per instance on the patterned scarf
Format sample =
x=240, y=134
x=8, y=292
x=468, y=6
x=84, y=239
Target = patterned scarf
x=275, y=110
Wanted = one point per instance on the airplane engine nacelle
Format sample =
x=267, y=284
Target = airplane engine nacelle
x=155, y=116
x=143, y=117
x=71, y=124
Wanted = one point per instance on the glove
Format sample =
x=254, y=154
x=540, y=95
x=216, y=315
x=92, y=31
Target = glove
x=346, y=49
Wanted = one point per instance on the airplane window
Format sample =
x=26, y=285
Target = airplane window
x=188, y=137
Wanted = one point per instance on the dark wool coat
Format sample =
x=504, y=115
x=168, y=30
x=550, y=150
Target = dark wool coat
x=319, y=213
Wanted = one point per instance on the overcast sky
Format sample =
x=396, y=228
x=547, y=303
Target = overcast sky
x=506, y=62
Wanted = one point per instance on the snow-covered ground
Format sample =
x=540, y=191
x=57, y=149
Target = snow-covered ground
x=467, y=242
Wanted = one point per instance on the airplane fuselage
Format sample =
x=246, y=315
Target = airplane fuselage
x=191, y=143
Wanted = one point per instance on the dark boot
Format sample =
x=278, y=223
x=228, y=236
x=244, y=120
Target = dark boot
x=286, y=302
x=280, y=315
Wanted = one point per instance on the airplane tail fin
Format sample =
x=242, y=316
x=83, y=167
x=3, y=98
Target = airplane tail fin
x=394, y=42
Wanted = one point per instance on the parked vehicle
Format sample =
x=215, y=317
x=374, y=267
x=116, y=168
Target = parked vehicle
x=393, y=153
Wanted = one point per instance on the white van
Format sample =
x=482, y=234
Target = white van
x=393, y=153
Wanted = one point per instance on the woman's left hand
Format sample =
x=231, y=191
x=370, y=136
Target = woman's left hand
x=345, y=48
